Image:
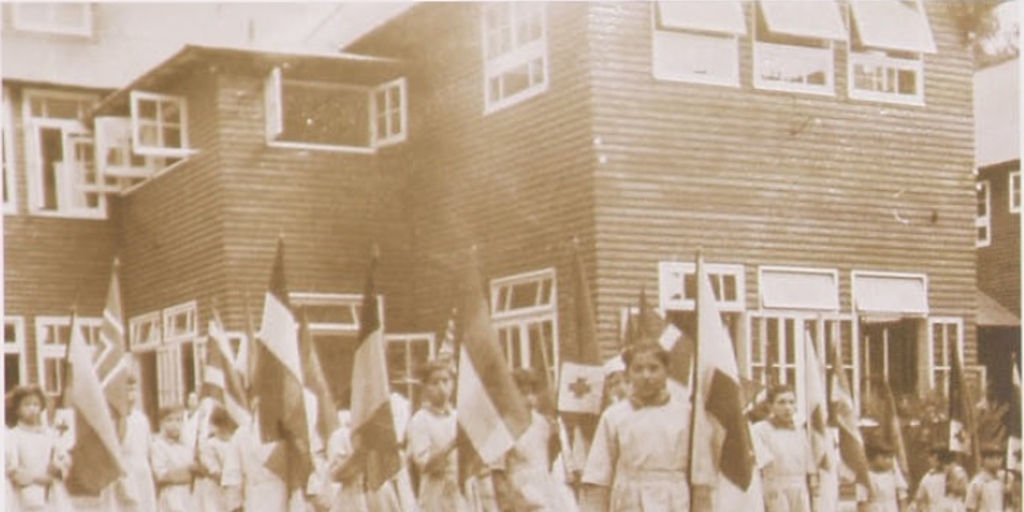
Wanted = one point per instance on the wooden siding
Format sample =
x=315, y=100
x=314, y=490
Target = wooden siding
x=515, y=183
x=774, y=178
x=999, y=263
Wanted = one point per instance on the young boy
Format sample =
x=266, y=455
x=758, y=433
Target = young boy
x=942, y=488
x=173, y=464
x=987, y=489
x=431, y=439
x=888, y=492
x=788, y=471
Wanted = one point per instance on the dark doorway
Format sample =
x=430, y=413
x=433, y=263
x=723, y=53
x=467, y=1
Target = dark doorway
x=890, y=352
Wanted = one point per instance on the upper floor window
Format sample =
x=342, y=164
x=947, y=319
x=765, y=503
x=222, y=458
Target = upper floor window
x=308, y=114
x=10, y=187
x=61, y=165
x=889, y=40
x=116, y=159
x=698, y=41
x=983, y=219
x=1015, y=192
x=159, y=124
x=70, y=18
x=525, y=313
x=515, y=52
x=793, y=45
x=15, y=373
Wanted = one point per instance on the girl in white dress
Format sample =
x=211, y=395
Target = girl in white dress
x=34, y=462
x=173, y=464
x=888, y=492
x=211, y=492
x=431, y=438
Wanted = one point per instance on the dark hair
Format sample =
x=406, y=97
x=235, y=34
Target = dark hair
x=221, y=419
x=778, y=390
x=169, y=410
x=646, y=347
x=878, y=447
x=431, y=367
x=526, y=379
x=18, y=395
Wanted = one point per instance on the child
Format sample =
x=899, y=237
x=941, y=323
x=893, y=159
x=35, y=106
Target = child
x=431, y=438
x=34, y=462
x=639, y=458
x=788, y=472
x=987, y=489
x=211, y=492
x=173, y=464
x=942, y=488
x=888, y=492
x=135, y=491
x=527, y=466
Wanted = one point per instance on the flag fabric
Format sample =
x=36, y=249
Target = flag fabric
x=96, y=455
x=320, y=406
x=962, y=434
x=581, y=379
x=843, y=416
x=722, y=445
x=222, y=381
x=110, y=358
x=817, y=405
x=889, y=422
x=373, y=428
x=1013, y=423
x=491, y=413
x=447, y=348
x=281, y=412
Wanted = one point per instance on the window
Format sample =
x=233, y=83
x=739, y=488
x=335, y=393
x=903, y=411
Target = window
x=144, y=331
x=180, y=323
x=698, y=41
x=1015, y=192
x=677, y=283
x=799, y=289
x=53, y=18
x=10, y=185
x=793, y=45
x=52, y=337
x=405, y=354
x=983, y=218
x=15, y=372
x=515, y=53
x=524, y=311
x=886, y=55
x=306, y=114
x=166, y=343
x=117, y=161
x=63, y=179
x=890, y=350
x=889, y=295
x=946, y=335
x=159, y=124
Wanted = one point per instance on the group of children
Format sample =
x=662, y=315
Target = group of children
x=638, y=461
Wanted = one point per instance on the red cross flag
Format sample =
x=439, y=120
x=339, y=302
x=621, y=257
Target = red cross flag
x=580, y=388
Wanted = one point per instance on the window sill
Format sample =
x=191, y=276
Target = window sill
x=827, y=91
x=890, y=99
x=519, y=97
x=664, y=76
x=68, y=215
x=304, y=146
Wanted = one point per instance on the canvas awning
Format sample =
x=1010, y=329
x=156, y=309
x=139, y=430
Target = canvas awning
x=993, y=314
x=893, y=25
x=720, y=16
x=889, y=295
x=798, y=289
x=819, y=19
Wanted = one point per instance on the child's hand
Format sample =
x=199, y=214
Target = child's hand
x=21, y=478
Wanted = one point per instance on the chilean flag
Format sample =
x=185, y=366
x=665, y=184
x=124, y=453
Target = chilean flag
x=222, y=381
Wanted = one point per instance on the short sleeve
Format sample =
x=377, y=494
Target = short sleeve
x=11, y=459
x=973, y=495
x=600, y=466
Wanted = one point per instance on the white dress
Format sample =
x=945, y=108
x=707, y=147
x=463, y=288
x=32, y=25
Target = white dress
x=31, y=449
x=430, y=431
x=262, y=490
x=528, y=471
x=211, y=494
x=168, y=455
x=134, y=492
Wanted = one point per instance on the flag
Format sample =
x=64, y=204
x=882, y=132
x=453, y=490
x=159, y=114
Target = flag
x=648, y=323
x=282, y=411
x=320, y=408
x=721, y=435
x=1013, y=421
x=962, y=436
x=109, y=358
x=96, y=455
x=447, y=348
x=222, y=381
x=817, y=406
x=581, y=379
x=373, y=427
x=491, y=413
x=843, y=415
x=884, y=403
x=248, y=354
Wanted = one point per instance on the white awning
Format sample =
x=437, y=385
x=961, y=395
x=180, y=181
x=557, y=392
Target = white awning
x=799, y=289
x=893, y=25
x=890, y=294
x=711, y=16
x=819, y=19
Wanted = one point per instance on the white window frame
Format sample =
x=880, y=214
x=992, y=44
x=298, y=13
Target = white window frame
x=856, y=275
x=943, y=364
x=68, y=189
x=189, y=311
x=181, y=103
x=520, y=54
x=19, y=22
x=888, y=64
x=351, y=301
x=833, y=273
x=666, y=42
x=983, y=221
x=153, y=322
x=273, y=89
x=46, y=351
x=1014, y=191
x=672, y=283
x=17, y=346
x=767, y=50
x=114, y=134
x=379, y=113
x=521, y=319
x=10, y=173
x=410, y=366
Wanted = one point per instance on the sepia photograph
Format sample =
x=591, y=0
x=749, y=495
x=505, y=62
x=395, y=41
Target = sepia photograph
x=512, y=256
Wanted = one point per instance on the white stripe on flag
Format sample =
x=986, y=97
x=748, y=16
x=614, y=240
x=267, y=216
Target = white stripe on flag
x=312, y=414
x=484, y=427
x=114, y=372
x=214, y=375
x=369, y=371
x=279, y=333
x=113, y=321
x=669, y=336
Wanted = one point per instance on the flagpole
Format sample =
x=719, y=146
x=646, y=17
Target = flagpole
x=694, y=378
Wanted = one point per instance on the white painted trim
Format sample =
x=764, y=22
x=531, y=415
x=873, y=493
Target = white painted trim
x=305, y=146
x=18, y=345
x=947, y=320
x=134, y=323
x=10, y=173
x=520, y=54
x=984, y=221
x=834, y=273
x=892, y=63
x=353, y=301
x=854, y=274
x=1014, y=188
x=51, y=351
x=84, y=30
x=410, y=365
x=521, y=318
x=191, y=311
x=828, y=89
x=181, y=102
x=403, y=112
x=667, y=287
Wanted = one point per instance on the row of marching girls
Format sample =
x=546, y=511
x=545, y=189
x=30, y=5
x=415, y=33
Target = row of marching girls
x=947, y=488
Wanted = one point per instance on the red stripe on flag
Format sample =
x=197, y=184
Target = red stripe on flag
x=111, y=368
x=725, y=403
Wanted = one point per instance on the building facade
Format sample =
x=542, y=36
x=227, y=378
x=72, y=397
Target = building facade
x=822, y=164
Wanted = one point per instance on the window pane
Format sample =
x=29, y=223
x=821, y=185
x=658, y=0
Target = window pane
x=61, y=108
x=52, y=375
x=690, y=286
x=319, y=114
x=170, y=112
x=10, y=332
x=172, y=137
x=517, y=349
x=728, y=287
x=147, y=109
x=524, y=295
x=12, y=371
x=907, y=81
x=149, y=135
x=516, y=80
